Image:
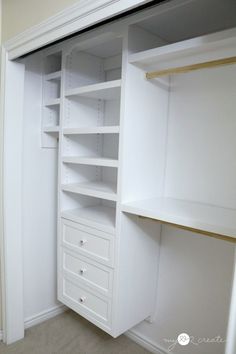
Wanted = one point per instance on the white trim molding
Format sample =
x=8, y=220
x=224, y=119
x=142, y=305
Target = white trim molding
x=145, y=342
x=231, y=337
x=44, y=316
x=12, y=279
x=75, y=18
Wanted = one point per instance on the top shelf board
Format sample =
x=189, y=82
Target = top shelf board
x=194, y=216
x=53, y=76
x=109, y=90
x=92, y=130
x=206, y=48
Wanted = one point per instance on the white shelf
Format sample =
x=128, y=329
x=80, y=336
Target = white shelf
x=99, y=216
x=53, y=76
x=93, y=161
x=192, y=51
x=197, y=216
x=109, y=90
x=53, y=102
x=51, y=129
x=98, y=189
x=92, y=130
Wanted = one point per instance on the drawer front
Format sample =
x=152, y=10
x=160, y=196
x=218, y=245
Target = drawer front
x=89, y=242
x=86, y=303
x=88, y=272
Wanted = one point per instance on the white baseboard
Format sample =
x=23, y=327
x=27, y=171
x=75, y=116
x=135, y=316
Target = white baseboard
x=44, y=316
x=145, y=342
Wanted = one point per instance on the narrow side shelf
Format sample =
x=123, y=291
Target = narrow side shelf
x=99, y=216
x=53, y=76
x=93, y=161
x=51, y=129
x=195, y=216
x=92, y=130
x=109, y=90
x=53, y=102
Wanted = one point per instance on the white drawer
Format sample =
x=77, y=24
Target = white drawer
x=88, y=272
x=89, y=242
x=85, y=302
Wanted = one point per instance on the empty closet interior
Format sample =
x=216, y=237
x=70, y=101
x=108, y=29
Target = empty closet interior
x=126, y=176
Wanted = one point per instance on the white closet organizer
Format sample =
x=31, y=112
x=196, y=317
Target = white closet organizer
x=132, y=149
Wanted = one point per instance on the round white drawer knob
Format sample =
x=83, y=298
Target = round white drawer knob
x=82, y=299
x=82, y=271
x=82, y=242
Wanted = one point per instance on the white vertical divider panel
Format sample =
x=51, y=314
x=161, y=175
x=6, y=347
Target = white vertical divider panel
x=2, y=268
x=60, y=153
x=231, y=335
x=12, y=199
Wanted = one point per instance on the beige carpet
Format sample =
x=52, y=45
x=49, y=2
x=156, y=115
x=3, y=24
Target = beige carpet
x=70, y=334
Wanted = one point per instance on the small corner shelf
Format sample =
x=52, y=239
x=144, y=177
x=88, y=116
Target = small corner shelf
x=53, y=76
x=99, y=216
x=198, y=217
x=109, y=90
x=93, y=161
x=52, y=102
x=98, y=189
x=92, y=130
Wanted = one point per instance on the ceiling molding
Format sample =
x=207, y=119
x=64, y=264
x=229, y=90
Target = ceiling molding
x=79, y=16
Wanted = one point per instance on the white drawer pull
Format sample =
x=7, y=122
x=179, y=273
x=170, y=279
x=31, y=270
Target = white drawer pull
x=82, y=299
x=82, y=242
x=82, y=271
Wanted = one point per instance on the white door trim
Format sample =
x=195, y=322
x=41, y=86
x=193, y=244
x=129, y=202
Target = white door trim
x=75, y=18
x=82, y=15
x=12, y=100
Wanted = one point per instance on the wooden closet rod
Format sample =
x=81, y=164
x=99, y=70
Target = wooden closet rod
x=188, y=68
x=198, y=231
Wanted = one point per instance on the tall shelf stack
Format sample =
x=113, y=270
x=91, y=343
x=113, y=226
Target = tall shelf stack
x=90, y=133
x=89, y=169
x=51, y=98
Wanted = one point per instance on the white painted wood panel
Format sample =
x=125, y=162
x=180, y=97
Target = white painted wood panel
x=87, y=272
x=12, y=176
x=87, y=241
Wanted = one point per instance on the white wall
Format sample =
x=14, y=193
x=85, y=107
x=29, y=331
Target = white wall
x=194, y=291
x=21, y=15
x=39, y=202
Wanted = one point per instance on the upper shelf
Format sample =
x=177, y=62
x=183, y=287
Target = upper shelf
x=109, y=90
x=206, y=48
x=93, y=161
x=113, y=129
x=197, y=217
x=98, y=189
